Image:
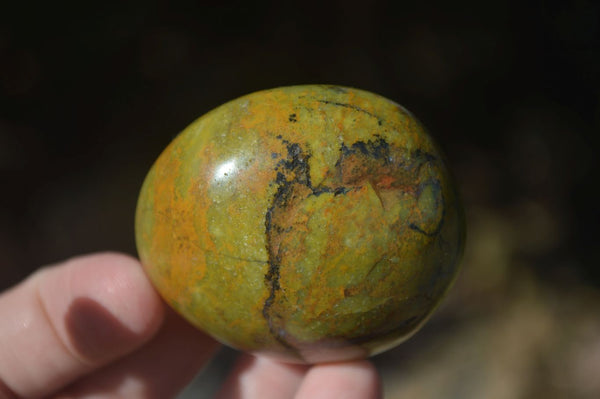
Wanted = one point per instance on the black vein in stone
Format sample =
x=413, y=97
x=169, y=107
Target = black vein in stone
x=354, y=107
x=296, y=166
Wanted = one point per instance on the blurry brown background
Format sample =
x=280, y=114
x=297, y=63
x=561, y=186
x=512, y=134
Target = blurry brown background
x=91, y=93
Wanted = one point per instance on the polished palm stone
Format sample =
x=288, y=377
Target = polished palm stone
x=306, y=223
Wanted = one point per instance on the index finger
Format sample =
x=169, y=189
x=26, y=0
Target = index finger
x=67, y=320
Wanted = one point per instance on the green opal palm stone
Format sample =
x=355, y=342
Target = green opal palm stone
x=306, y=223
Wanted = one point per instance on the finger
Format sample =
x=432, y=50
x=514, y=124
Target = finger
x=261, y=378
x=160, y=369
x=358, y=379
x=67, y=320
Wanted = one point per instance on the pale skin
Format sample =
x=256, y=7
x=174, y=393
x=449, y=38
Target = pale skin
x=93, y=326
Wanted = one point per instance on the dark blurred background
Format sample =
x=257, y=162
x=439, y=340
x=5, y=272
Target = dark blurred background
x=90, y=93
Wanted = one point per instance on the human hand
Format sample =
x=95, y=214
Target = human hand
x=94, y=326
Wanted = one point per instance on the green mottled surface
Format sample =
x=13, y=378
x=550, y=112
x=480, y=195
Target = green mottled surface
x=309, y=223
